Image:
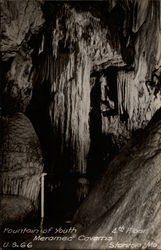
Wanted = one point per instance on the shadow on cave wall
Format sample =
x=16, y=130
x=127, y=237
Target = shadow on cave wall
x=102, y=148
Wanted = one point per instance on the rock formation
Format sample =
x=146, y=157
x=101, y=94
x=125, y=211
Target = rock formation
x=20, y=158
x=21, y=161
x=126, y=196
x=88, y=78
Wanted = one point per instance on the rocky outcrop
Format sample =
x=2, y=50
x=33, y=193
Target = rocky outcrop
x=124, y=206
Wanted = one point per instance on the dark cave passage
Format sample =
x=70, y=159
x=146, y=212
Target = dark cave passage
x=38, y=112
x=60, y=187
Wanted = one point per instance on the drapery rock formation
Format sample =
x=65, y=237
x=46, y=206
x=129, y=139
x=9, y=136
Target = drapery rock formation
x=88, y=77
x=70, y=112
x=85, y=47
x=135, y=94
x=138, y=91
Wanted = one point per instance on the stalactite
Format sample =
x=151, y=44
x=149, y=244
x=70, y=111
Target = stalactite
x=136, y=98
x=148, y=43
x=41, y=49
x=82, y=28
x=28, y=187
x=137, y=103
x=71, y=105
x=84, y=34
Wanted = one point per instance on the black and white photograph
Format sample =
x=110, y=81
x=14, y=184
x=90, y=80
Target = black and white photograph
x=80, y=124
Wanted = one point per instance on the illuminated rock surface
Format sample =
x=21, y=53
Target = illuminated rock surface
x=126, y=196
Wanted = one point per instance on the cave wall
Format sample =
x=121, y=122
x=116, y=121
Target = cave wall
x=19, y=22
x=20, y=151
x=124, y=206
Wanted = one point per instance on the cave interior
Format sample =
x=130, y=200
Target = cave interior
x=85, y=77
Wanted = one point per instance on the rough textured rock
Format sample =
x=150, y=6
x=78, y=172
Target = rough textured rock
x=127, y=195
x=138, y=100
x=20, y=158
x=14, y=209
x=146, y=21
x=19, y=20
x=20, y=153
x=18, y=87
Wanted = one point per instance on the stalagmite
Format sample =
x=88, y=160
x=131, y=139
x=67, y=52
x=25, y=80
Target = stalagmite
x=20, y=159
x=82, y=188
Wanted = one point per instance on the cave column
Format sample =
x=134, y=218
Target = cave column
x=70, y=109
